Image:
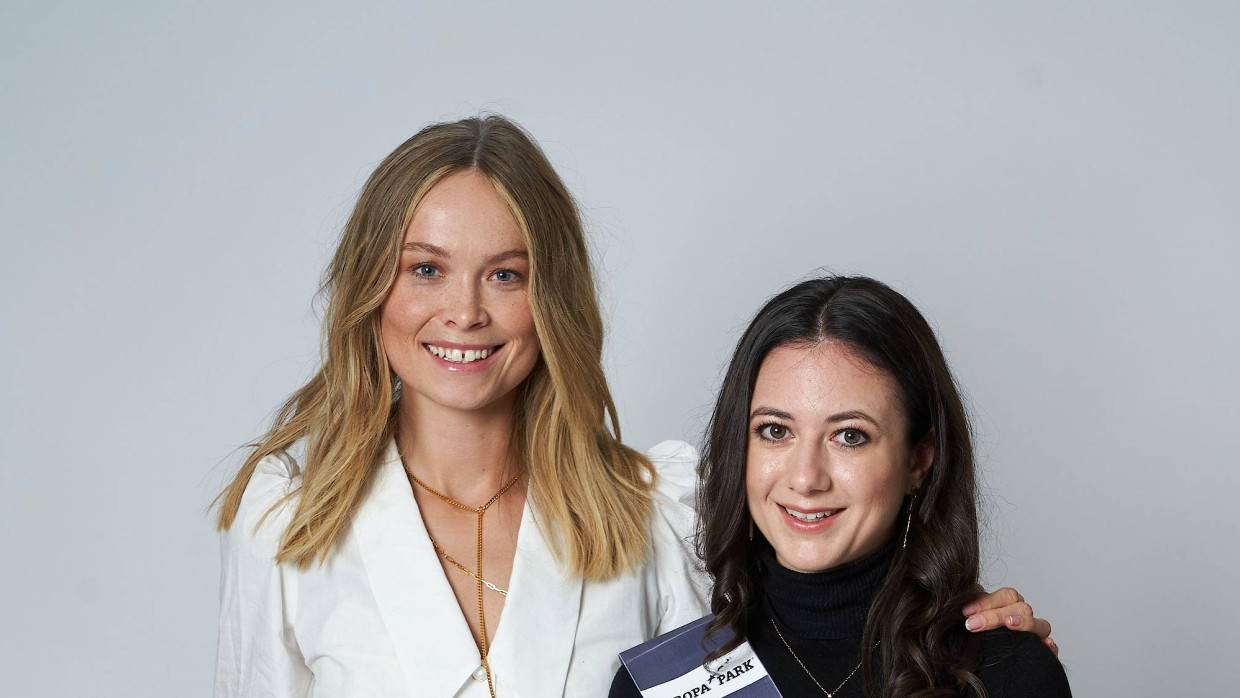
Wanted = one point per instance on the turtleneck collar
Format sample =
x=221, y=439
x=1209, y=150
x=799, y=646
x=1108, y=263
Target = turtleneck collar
x=828, y=605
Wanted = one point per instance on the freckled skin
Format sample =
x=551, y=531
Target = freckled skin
x=842, y=446
x=465, y=296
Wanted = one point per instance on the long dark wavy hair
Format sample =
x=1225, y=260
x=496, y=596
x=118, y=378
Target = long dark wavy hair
x=923, y=647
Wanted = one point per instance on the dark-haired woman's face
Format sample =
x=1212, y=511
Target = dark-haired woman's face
x=828, y=461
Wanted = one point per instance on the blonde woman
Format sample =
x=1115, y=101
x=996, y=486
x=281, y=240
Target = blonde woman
x=461, y=518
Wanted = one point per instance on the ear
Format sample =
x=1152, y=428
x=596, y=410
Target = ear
x=920, y=461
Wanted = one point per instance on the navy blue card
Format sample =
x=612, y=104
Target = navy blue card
x=671, y=666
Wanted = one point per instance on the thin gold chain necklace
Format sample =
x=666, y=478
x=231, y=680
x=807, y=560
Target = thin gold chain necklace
x=830, y=694
x=482, y=617
x=466, y=570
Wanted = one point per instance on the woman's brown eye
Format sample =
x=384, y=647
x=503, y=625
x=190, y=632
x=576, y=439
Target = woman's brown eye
x=773, y=432
x=852, y=437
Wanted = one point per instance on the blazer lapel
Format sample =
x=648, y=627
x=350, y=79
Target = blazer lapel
x=435, y=647
x=534, y=641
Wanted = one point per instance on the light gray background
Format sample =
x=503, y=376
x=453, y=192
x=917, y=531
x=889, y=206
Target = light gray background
x=1056, y=186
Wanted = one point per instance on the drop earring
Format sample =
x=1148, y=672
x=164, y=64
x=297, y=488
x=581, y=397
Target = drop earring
x=909, y=524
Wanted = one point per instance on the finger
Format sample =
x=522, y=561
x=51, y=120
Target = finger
x=1017, y=616
x=1037, y=626
x=994, y=600
x=1050, y=642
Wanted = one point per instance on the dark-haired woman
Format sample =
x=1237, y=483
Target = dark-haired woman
x=838, y=510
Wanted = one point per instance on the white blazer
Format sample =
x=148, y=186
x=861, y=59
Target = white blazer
x=379, y=618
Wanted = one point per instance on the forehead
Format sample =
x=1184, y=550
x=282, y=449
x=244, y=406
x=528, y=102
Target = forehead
x=464, y=210
x=824, y=379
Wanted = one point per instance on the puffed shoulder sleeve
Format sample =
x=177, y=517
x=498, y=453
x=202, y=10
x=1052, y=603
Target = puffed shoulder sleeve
x=682, y=583
x=257, y=653
x=676, y=465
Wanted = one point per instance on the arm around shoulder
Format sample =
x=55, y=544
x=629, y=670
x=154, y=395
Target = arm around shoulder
x=257, y=652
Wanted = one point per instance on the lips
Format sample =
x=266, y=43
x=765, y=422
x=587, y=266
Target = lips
x=462, y=354
x=810, y=516
x=808, y=520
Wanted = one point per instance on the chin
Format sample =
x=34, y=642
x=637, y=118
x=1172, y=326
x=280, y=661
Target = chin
x=809, y=561
x=453, y=400
x=470, y=403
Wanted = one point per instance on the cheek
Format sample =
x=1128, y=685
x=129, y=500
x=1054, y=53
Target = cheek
x=520, y=318
x=388, y=327
x=394, y=329
x=760, y=476
x=511, y=313
x=879, y=491
x=401, y=318
x=398, y=309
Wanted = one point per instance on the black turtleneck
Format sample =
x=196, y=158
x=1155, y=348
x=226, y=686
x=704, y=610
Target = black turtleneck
x=822, y=618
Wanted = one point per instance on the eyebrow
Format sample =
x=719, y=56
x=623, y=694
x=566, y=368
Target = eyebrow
x=437, y=251
x=425, y=247
x=852, y=414
x=510, y=254
x=770, y=412
x=763, y=411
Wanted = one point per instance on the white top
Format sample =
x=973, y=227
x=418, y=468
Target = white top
x=379, y=618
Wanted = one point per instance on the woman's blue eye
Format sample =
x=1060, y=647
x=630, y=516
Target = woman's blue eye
x=425, y=270
x=506, y=276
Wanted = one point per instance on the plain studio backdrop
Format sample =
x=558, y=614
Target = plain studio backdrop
x=1056, y=186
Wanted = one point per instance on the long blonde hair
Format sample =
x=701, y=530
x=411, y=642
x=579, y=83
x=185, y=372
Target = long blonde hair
x=591, y=492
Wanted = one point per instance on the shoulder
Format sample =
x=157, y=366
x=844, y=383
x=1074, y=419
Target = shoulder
x=674, y=521
x=266, y=507
x=675, y=465
x=1016, y=664
x=672, y=563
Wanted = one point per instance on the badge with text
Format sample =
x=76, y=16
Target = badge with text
x=672, y=666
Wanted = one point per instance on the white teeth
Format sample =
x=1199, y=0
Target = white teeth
x=458, y=356
x=809, y=517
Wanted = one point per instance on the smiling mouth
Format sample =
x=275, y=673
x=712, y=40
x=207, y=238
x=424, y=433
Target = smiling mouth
x=461, y=356
x=810, y=517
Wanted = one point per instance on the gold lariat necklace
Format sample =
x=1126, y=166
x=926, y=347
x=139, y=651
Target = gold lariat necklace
x=463, y=568
x=482, y=618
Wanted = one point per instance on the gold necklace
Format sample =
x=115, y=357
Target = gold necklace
x=482, y=618
x=830, y=694
x=463, y=568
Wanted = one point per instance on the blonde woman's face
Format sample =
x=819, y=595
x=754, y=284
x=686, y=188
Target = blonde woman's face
x=457, y=326
x=828, y=462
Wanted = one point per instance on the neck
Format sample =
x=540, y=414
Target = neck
x=466, y=455
x=825, y=605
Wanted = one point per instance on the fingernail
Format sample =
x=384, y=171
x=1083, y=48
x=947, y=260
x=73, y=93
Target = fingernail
x=1014, y=621
x=973, y=622
x=971, y=609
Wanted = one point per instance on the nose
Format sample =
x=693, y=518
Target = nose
x=463, y=304
x=809, y=469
